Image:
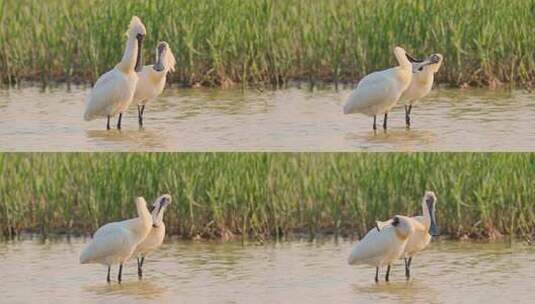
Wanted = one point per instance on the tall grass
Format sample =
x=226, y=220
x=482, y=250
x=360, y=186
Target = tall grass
x=250, y=41
x=268, y=195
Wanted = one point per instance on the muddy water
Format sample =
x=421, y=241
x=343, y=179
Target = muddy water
x=290, y=272
x=285, y=120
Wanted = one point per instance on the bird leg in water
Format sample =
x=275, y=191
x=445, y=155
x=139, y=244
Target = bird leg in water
x=120, y=275
x=119, y=121
x=374, y=122
x=408, y=267
x=108, y=277
x=408, y=115
x=140, y=110
x=387, y=277
x=376, y=274
x=385, y=120
x=108, y=124
x=140, y=266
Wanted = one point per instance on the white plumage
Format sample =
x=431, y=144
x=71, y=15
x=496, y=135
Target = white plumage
x=382, y=247
x=114, y=243
x=424, y=228
x=421, y=83
x=152, y=78
x=114, y=90
x=378, y=92
x=156, y=235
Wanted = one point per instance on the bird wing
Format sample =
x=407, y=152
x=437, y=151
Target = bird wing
x=373, y=89
x=108, y=240
x=105, y=95
x=373, y=245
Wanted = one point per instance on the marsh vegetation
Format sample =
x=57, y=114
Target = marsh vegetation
x=218, y=43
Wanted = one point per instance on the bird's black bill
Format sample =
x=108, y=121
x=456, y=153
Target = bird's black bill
x=412, y=59
x=139, y=63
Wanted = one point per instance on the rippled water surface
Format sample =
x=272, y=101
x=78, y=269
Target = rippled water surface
x=291, y=272
x=289, y=120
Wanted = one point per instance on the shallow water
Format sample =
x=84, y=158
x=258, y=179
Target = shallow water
x=291, y=272
x=285, y=120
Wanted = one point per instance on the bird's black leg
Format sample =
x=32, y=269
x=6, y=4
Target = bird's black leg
x=139, y=115
x=108, y=124
x=387, y=277
x=376, y=274
x=108, y=277
x=408, y=115
x=407, y=271
x=140, y=267
x=119, y=121
x=120, y=275
x=385, y=120
x=374, y=122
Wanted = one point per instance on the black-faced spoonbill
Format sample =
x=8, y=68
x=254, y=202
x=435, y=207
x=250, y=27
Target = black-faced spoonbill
x=152, y=78
x=425, y=228
x=114, y=90
x=156, y=234
x=382, y=247
x=379, y=91
x=114, y=243
x=421, y=83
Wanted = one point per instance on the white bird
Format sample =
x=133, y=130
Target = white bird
x=114, y=243
x=378, y=92
x=156, y=234
x=382, y=247
x=421, y=83
x=114, y=90
x=152, y=78
x=425, y=228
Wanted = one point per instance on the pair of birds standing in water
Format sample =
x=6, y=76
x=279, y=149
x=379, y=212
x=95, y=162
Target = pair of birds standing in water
x=115, y=243
x=399, y=237
x=378, y=92
x=130, y=81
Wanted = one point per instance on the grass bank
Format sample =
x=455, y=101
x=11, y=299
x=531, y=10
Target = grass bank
x=218, y=42
x=268, y=195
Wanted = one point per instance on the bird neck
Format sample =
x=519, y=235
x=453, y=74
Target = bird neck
x=403, y=61
x=144, y=214
x=128, y=62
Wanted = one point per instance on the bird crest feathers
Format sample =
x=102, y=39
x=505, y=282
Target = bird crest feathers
x=136, y=27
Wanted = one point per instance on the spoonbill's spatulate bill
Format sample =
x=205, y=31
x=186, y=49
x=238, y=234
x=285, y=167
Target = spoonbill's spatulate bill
x=381, y=247
x=378, y=92
x=114, y=243
x=114, y=90
x=156, y=234
x=152, y=78
x=421, y=83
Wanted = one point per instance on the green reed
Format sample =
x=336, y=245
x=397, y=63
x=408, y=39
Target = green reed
x=270, y=195
x=254, y=41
